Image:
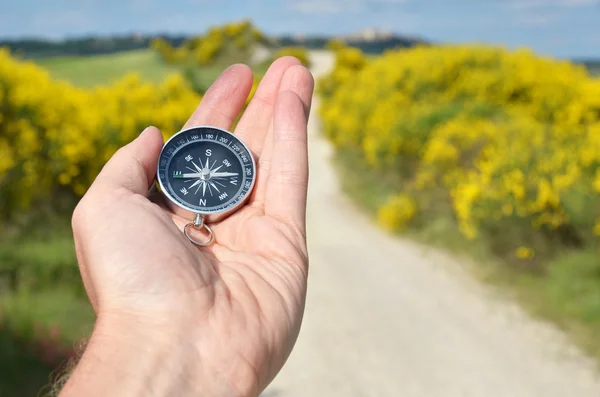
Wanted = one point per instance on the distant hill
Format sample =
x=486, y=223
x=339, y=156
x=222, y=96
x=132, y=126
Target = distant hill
x=91, y=45
x=592, y=65
x=370, y=46
x=369, y=41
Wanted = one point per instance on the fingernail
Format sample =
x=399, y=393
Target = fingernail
x=145, y=130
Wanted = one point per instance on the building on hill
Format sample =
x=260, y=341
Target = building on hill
x=369, y=35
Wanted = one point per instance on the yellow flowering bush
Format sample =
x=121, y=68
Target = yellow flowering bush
x=509, y=140
x=397, y=212
x=348, y=62
x=167, y=53
x=233, y=42
x=299, y=52
x=55, y=137
x=524, y=253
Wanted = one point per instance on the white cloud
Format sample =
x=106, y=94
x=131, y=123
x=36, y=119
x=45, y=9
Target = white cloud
x=387, y=1
x=539, y=13
x=538, y=20
x=337, y=6
x=533, y=4
x=325, y=6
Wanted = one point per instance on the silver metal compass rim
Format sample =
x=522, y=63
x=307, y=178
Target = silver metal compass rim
x=207, y=213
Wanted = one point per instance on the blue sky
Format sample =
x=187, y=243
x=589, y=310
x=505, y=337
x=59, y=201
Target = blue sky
x=564, y=28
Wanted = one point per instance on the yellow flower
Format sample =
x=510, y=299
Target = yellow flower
x=397, y=212
x=524, y=253
x=597, y=228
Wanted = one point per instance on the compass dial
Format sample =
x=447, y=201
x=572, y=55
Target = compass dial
x=206, y=170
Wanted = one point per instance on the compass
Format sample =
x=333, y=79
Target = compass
x=206, y=170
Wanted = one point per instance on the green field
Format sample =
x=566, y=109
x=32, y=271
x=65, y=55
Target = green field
x=104, y=69
x=43, y=308
x=97, y=70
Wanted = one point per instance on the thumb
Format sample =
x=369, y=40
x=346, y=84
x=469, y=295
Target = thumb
x=133, y=167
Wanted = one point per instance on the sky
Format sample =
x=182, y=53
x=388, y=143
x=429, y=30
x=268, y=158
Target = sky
x=562, y=28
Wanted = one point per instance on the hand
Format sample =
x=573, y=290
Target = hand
x=174, y=319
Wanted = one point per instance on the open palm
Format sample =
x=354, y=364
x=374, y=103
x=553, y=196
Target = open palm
x=238, y=303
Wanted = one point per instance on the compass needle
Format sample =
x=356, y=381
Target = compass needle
x=223, y=174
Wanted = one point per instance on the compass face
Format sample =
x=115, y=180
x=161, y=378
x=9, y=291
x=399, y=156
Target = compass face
x=206, y=170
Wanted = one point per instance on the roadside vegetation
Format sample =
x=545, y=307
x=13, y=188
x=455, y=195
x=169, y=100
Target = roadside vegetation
x=483, y=151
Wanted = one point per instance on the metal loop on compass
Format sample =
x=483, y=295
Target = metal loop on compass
x=198, y=224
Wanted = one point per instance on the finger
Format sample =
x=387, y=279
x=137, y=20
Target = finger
x=224, y=99
x=133, y=167
x=299, y=80
x=288, y=179
x=256, y=120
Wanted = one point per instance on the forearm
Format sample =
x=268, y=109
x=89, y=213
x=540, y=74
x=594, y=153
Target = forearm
x=122, y=360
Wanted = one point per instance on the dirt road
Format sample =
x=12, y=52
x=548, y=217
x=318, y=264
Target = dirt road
x=388, y=317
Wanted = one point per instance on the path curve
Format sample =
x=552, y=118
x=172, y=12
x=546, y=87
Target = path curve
x=388, y=317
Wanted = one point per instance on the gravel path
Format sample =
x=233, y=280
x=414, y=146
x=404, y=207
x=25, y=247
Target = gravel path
x=388, y=317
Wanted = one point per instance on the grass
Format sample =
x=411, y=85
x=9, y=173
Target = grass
x=44, y=289
x=59, y=313
x=97, y=70
x=104, y=69
x=566, y=291
x=43, y=308
x=22, y=372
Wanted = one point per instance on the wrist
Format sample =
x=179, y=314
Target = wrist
x=135, y=357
